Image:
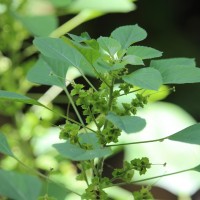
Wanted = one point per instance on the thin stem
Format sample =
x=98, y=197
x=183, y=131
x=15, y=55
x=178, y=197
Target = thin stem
x=129, y=143
x=131, y=92
x=84, y=173
x=80, y=18
x=150, y=178
x=42, y=175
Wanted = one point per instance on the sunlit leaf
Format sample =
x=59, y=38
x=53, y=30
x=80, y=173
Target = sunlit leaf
x=129, y=124
x=4, y=147
x=60, y=3
x=144, y=52
x=19, y=186
x=101, y=6
x=127, y=35
x=74, y=152
x=190, y=135
x=147, y=78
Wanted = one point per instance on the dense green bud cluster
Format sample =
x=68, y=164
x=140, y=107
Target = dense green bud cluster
x=143, y=194
x=127, y=172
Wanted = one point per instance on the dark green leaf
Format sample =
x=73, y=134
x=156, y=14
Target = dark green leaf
x=129, y=124
x=39, y=25
x=103, y=6
x=4, y=147
x=190, y=135
x=144, y=52
x=59, y=50
x=5, y=95
x=74, y=152
x=19, y=186
x=109, y=45
x=147, y=78
x=197, y=168
x=127, y=35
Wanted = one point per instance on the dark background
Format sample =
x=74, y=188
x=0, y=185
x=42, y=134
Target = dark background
x=173, y=26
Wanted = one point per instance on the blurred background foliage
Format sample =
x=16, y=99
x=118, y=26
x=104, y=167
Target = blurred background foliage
x=172, y=26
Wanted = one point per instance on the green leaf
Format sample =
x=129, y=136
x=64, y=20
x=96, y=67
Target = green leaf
x=129, y=124
x=173, y=62
x=147, y=78
x=104, y=6
x=19, y=186
x=190, y=135
x=132, y=60
x=59, y=50
x=4, y=147
x=41, y=73
x=127, y=35
x=5, y=95
x=177, y=70
x=60, y=3
x=74, y=152
x=109, y=45
x=144, y=52
x=197, y=168
x=39, y=25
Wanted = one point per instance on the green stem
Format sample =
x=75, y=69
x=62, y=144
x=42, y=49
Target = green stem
x=42, y=175
x=80, y=18
x=151, y=178
x=129, y=143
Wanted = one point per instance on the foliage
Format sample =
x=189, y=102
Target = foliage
x=110, y=60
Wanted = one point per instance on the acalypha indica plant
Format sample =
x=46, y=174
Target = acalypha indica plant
x=120, y=67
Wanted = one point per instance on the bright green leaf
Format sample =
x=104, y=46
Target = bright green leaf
x=147, y=78
x=74, y=152
x=190, y=135
x=41, y=73
x=109, y=45
x=127, y=35
x=39, y=25
x=5, y=95
x=129, y=124
x=59, y=50
x=132, y=60
x=60, y=3
x=104, y=6
x=19, y=186
x=144, y=52
x=4, y=147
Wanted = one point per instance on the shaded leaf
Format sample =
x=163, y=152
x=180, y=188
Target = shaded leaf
x=197, y=168
x=41, y=72
x=19, y=186
x=74, y=152
x=147, y=78
x=144, y=52
x=102, y=6
x=39, y=25
x=5, y=95
x=172, y=62
x=109, y=45
x=4, y=147
x=59, y=50
x=132, y=60
x=127, y=35
x=190, y=135
x=129, y=124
